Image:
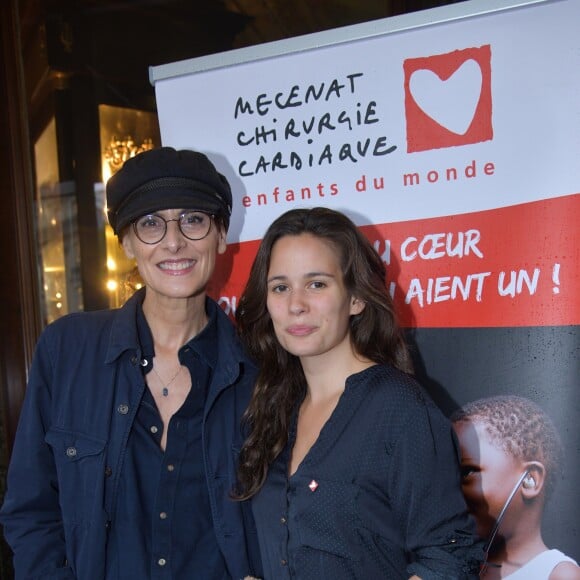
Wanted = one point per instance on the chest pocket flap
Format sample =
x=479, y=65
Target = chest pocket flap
x=71, y=446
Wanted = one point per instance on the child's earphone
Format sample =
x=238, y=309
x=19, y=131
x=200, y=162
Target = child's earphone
x=528, y=482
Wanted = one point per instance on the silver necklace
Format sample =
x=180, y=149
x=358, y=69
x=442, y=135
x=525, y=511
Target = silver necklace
x=165, y=391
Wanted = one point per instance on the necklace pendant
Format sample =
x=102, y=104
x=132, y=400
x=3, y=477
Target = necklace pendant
x=165, y=391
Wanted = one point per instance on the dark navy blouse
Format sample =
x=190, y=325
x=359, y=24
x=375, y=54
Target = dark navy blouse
x=377, y=496
x=163, y=525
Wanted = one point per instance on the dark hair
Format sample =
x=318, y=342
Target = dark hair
x=281, y=384
x=520, y=428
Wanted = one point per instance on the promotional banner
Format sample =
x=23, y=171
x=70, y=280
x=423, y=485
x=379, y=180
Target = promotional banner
x=452, y=138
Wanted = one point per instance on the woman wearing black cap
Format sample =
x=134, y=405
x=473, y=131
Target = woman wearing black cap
x=124, y=457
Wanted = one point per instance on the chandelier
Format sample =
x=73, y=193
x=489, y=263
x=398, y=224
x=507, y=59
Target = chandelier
x=119, y=150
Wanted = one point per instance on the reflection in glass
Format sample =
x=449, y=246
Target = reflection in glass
x=124, y=133
x=58, y=240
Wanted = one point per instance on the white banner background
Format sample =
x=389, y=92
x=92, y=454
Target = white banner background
x=487, y=89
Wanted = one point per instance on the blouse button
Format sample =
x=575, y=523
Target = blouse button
x=154, y=429
x=123, y=409
x=162, y=561
x=282, y=520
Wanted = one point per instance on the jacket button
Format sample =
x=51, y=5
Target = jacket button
x=134, y=360
x=71, y=452
x=108, y=471
x=123, y=409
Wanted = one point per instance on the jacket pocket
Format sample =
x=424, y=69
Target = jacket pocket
x=79, y=460
x=59, y=574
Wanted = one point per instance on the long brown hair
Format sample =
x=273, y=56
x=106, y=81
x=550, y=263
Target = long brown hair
x=374, y=333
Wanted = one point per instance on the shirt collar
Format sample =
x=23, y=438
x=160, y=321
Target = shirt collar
x=203, y=344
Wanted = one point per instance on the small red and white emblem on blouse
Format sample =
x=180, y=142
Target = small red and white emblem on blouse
x=313, y=485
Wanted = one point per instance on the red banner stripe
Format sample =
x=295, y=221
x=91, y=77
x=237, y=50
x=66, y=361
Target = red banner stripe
x=513, y=266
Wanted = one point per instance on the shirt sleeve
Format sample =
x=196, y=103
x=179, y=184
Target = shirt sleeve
x=30, y=514
x=440, y=534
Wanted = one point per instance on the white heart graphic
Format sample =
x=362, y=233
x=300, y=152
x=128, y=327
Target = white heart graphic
x=452, y=102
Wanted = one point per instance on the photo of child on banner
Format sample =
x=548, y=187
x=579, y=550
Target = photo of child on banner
x=512, y=459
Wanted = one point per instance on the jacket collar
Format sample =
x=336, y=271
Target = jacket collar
x=124, y=336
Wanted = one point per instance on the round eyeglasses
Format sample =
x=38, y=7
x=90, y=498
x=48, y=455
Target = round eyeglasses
x=194, y=225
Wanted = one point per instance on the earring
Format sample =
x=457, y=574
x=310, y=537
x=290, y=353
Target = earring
x=529, y=482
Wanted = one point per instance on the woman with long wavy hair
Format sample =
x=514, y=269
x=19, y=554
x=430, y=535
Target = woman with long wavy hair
x=352, y=470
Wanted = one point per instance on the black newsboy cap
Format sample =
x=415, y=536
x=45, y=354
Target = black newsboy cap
x=166, y=178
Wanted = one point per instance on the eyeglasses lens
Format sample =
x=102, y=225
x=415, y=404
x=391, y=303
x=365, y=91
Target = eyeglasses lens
x=194, y=225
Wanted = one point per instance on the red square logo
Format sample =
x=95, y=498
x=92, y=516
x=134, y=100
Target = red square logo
x=448, y=99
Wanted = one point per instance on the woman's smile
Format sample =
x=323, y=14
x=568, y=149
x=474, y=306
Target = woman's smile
x=301, y=330
x=176, y=267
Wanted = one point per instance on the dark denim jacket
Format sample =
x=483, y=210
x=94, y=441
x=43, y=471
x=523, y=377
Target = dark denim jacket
x=84, y=388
